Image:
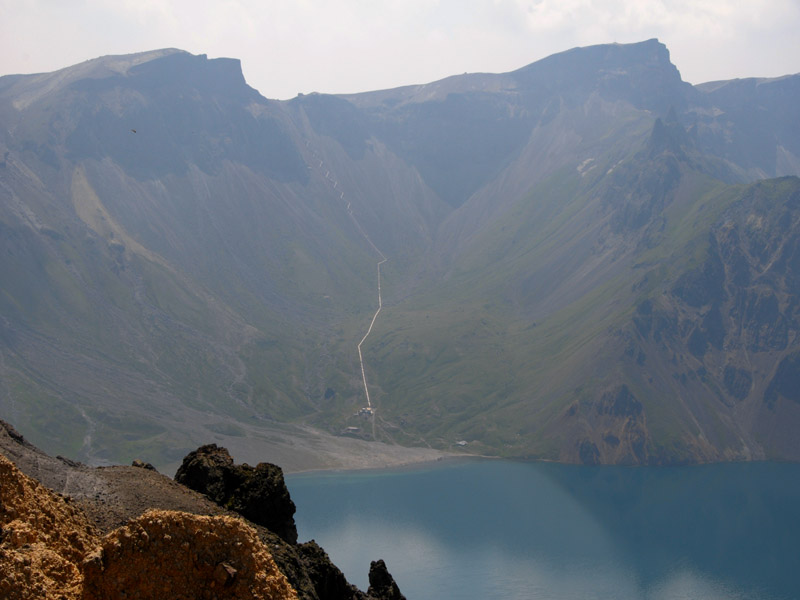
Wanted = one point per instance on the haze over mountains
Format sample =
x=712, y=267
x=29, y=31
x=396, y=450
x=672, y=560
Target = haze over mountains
x=589, y=260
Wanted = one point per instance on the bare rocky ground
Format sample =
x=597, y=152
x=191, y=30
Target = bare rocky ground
x=112, y=498
x=297, y=448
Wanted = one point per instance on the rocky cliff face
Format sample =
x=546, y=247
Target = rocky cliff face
x=130, y=532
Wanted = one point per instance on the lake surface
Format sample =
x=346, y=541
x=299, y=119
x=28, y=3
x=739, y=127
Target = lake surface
x=501, y=529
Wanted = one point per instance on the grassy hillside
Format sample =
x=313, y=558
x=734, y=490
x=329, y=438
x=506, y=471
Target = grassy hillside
x=579, y=263
x=578, y=326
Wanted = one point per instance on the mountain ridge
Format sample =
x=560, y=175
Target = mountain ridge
x=203, y=248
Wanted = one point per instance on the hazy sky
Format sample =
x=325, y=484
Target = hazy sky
x=291, y=46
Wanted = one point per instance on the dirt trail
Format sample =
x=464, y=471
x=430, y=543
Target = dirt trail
x=331, y=179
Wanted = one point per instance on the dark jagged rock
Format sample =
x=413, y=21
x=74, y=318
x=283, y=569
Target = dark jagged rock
x=140, y=464
x=310, y=571
x=260, y=495
x=14, y=434
x=381, y=583
x=328, y=581
x=257, y=493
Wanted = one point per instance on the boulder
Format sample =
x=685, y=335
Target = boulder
x=257, y=493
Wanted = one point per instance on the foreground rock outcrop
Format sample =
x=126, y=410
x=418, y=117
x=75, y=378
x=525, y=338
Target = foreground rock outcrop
x=70, y=531
x=260, y=495
x=43, y=538
x=257, y=493
x=381, y=583
x=165, y=554
x=49, y=549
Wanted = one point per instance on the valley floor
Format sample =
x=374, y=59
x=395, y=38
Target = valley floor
x=296, y=449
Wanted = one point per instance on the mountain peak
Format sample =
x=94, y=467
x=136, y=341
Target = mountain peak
x=195, y=70
x=27, y=89
x=640, y=73
x=649, y=52
x=578, y=68
x=117, y=63
x=167, y=65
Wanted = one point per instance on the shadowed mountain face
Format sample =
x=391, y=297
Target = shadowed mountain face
x=588, y=260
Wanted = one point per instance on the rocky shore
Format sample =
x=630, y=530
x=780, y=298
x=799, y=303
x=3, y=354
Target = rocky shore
x=218, y=530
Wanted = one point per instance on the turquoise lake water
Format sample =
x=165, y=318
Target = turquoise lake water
x=501, y=529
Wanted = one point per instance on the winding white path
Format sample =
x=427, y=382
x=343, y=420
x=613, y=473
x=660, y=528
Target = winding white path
x=375, y=316
x=382, y=260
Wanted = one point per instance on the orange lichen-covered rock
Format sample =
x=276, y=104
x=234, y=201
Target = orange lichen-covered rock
x=42, y=539
x=168, y=554
x=48, y=549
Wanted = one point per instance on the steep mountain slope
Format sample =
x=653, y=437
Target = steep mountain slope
x=524, y=343
x=637, y=315
x=182, y=256
x=176, y=238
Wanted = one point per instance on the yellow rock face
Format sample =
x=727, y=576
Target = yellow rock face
x=48, y=549
x=44, y=538
x=167, y=554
